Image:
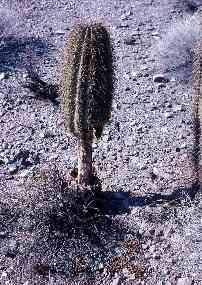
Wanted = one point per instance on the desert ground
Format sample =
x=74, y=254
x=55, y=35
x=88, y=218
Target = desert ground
x=144, y=158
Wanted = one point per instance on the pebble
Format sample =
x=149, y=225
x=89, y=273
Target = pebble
x=5, y=145
x=177, y=108
x=3, y=234
x=160, y=78
x=155, y=171
x=168, y=115
x=4, y=274
x=161, y=85
x=184, y=281
x=116, y=281
x=13, y=245
x=140, y=129
x=123, y=25
x=12, y=168
x=59, y=32
x=2, y=76
x=26, y=172
x=130, y=41
x=46, y=134
x=152, y=249
x=134, y=73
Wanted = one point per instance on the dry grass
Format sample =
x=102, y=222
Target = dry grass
x=58, y=231
x=174, y=51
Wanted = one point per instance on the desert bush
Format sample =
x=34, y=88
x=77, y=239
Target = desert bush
x=174, y=51
x=59, y=230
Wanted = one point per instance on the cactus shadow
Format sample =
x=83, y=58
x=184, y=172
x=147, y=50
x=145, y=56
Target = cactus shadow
x=177, y=197
x=116, y=203
x=21, y=52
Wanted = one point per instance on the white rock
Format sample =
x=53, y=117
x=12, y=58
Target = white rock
x=2, y=76
x=116, y=281
x=134, y=73
x=152, y=249
x=4, y=274
x=168, y=115
x=177, y=108
x=184, y=281
x=12, y=168
x=59, y=32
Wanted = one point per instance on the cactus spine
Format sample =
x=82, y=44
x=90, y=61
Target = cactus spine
x=86, y=89
x=197, y=107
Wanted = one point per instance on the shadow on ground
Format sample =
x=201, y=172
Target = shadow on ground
x=21, y=52
x=121, y=202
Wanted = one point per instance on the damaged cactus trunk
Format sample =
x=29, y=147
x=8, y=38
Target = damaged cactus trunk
x=86, y=90
x=85, y=169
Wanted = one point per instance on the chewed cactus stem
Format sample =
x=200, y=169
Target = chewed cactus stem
x=86, y=89
x=85, y=159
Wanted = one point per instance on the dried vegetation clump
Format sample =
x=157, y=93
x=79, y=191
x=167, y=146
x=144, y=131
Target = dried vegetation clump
x=52, y=230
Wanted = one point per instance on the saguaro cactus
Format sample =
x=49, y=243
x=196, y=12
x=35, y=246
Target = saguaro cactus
x=86, y=89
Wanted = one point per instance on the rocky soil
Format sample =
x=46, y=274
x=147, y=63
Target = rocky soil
x=145, y=154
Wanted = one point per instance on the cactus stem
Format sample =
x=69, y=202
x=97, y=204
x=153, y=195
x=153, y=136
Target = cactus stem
x=85, y=159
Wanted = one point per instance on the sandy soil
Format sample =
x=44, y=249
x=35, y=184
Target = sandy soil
x=146, y=149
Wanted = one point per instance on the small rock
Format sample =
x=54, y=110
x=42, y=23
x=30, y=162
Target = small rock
x=177, y=108
x=145, y=246
x=126, y=15
x=3, y=234
x=161, y=85
x=116, y=281
x=160, y=78
x=13, y=245
x=156, y=256
x=134, y=73
x=59, y=32
x=152, y=249
x=133, y=277
x=12, y=168
x=143, y=166
x=140, y=129
x=155, y=172
x=168, y=115
x=46, y=134
x=4, y=274
x=147, y=256
x=125, y=272
x=2, y=76
x=123, y=25
x=54, y=156
x=129, y=141
x=184, y=281
x=130, y=41
x=4, y=145
x=26, y=172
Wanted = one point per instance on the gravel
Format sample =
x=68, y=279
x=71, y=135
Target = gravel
x=146, y=151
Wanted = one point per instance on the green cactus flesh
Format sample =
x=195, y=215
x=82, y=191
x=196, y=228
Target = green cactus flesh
x=87, y=80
